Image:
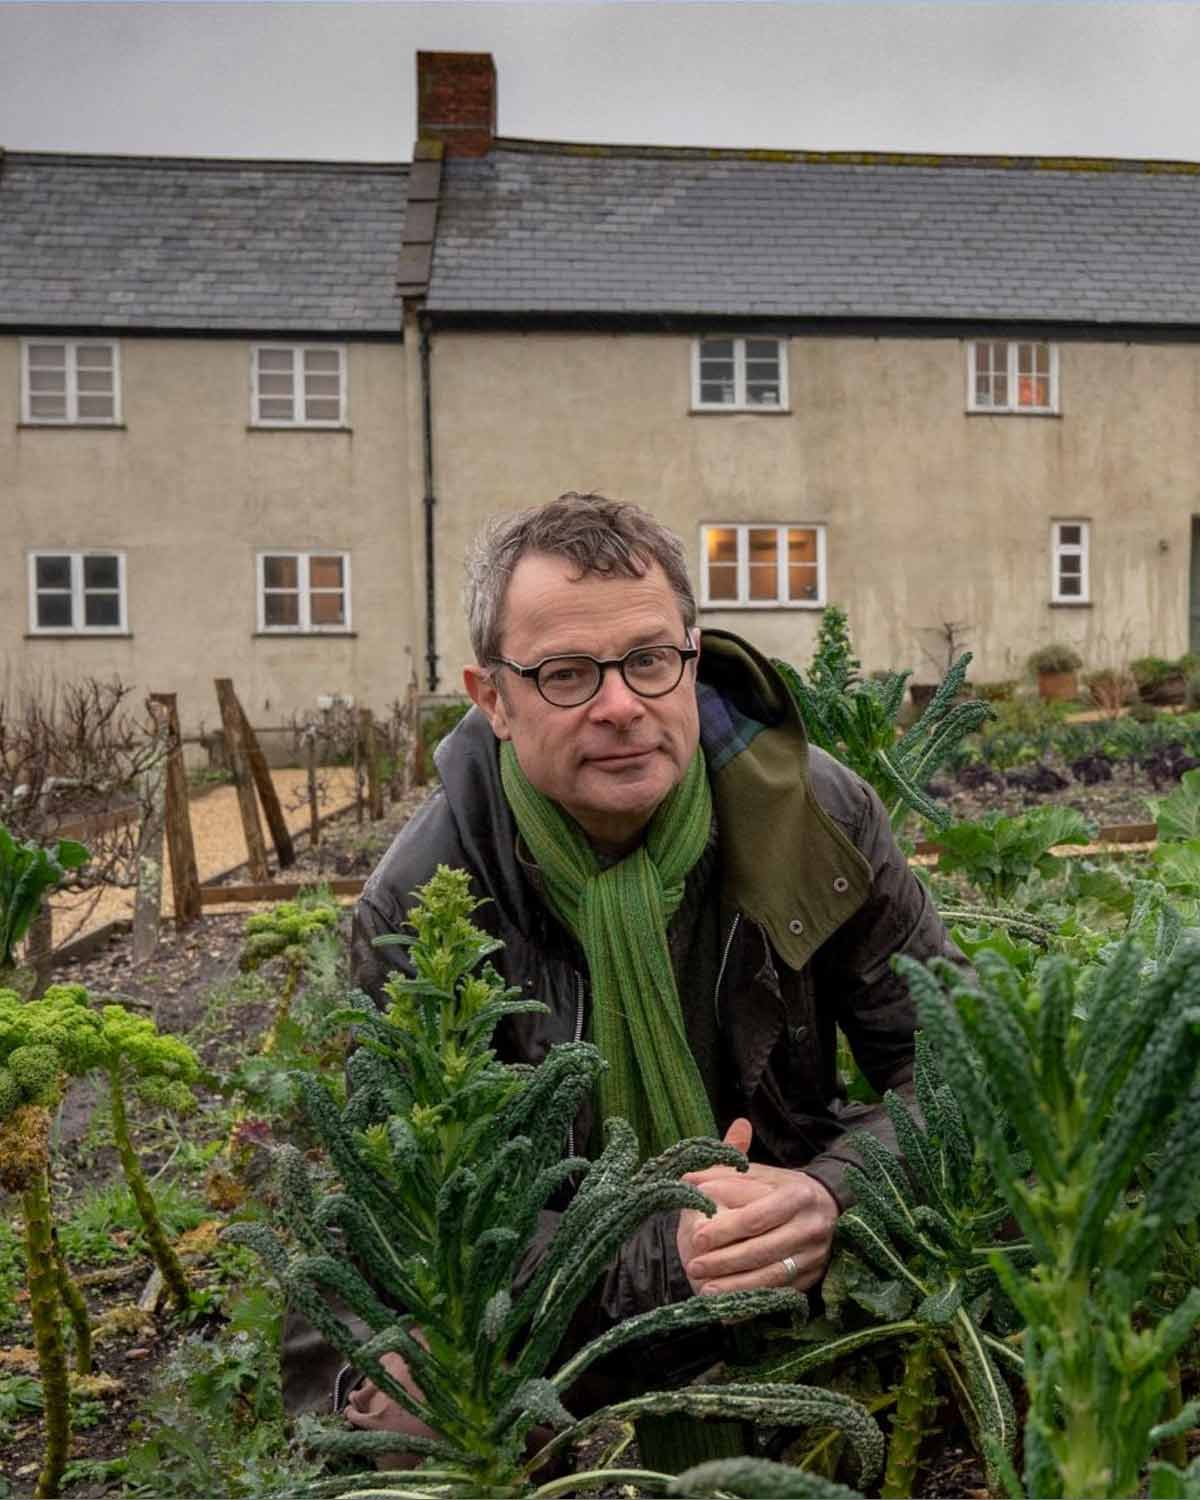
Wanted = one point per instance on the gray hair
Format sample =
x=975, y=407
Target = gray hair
x=597, y=535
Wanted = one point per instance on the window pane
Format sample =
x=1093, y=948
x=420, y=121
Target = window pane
x=94, y=357
x=1071, y=563
x=764, y=573
x=328, y=609
x=97, y=381
x=1043, y=358
x=47, y=356
x=48, y=408
x=802, y=545
x=274, y=385
x=802, y=581
x=1000, y=389
x=720, y=544
x=722, y=581
x=763, y=349
x=281, y=572
x=47, y=380
x=272, y=409
x=322, y=359
x=53, y=572
x=1070, y=536
x=322, y=409
x=54, y=611
x=1071, y=586
x=325, y=572
x=96, y=408
x=275, y=359
x=101, y=609
x=713, y=393
x=1025, y=359
x=716, y=349
x=100, y=573
x=321, y=385
x=281, y=609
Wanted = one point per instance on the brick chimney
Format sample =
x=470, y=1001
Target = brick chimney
x=456, y=101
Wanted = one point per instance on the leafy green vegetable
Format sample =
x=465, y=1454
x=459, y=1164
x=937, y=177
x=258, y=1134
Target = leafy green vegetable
x=27, y=872
x=997, y=853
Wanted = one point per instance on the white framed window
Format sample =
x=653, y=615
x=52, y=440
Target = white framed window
x=1070, y=581
x=70, y=382
x=80, y=593
x=1013, y=375
x=298, y=385
x=739, y=374
x=751, y=566
x=304, y=591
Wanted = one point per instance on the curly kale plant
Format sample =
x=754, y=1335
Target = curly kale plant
x=27, y=873
x=855, y=720
x=288, y=931
x=1095, y=1075
x=447, y=1159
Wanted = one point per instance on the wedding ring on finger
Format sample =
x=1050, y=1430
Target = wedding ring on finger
x=790, y=1267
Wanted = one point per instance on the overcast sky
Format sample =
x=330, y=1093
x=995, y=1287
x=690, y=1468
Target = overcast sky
x=335, y=80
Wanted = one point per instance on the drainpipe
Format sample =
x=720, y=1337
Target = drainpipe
x=431, y=659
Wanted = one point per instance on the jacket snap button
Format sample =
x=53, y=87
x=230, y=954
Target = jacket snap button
x=795, y=926
x=841, y=885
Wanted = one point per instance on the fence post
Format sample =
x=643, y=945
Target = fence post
x=235, y=748
x=281, y=835
x=147, y=905
x=185, y=876
x=366, y=725
x=310, y=762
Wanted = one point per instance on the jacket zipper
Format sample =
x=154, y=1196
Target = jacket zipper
x=721, y=971
x=578, y=1037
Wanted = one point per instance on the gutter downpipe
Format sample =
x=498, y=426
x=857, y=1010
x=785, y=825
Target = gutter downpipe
x=430, y=501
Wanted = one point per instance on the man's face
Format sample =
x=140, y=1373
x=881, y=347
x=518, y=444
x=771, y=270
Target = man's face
x=608, y=762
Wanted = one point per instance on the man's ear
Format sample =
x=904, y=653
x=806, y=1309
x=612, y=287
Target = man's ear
x=483, y=692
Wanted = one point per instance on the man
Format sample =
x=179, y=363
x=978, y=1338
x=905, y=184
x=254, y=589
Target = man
x=679, y=877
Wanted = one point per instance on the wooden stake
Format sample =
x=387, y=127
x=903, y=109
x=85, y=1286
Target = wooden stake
x=235, y=750
x=185, y=876
x=358, y=773
x=280, y=833
x=366, y=724
x=310, y=760
x=147, y=906
x=418, y=738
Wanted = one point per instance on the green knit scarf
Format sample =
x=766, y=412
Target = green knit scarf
x=620, y=917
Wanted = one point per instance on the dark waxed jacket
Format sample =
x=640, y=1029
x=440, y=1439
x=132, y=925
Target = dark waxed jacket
x=815, y=899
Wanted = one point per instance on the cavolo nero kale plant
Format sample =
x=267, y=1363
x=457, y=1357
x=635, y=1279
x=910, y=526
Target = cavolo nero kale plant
x=914, y=1251
x=446, y=1158
x=1083, y=1088
x=855, y=719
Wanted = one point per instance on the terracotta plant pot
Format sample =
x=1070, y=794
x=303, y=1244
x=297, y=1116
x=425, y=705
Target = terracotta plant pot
x=1058, y=687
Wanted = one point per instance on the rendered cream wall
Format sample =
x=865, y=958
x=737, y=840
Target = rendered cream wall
x=932, y=515
x=191, y=495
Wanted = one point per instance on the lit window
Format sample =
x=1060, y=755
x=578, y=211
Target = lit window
x=304, y=591
x=82, y=593
x=1069, y=575
x=742, y=374
x=299, y=385
x=70, y=382
x=756, y=567
x=1012, y=375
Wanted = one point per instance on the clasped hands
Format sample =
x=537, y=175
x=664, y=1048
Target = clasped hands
x=763, y=1216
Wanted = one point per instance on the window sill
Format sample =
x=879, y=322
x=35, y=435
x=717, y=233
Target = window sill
x=980, y=412
x=307, y=635
x=71, y=426
x=296, y=427
x=739, y=411
x=1070, y=603
x=78, y=635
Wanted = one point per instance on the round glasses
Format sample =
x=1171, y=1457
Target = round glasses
x=568, y=681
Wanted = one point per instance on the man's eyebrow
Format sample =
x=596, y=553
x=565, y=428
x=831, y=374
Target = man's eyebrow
x=646, y=638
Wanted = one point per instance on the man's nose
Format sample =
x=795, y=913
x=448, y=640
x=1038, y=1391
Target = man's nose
x=615, y=700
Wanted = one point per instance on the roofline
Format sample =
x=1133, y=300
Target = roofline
x=285, y=164
x=1046, y=163
x=40, y=328
x=836, y=326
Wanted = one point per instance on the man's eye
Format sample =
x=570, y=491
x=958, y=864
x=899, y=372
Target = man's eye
x=561, y=676
x=648, y=660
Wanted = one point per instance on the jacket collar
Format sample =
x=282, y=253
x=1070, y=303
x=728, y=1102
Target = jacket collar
x=786, y=863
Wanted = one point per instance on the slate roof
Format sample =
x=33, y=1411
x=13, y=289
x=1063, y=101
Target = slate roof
x=184, y=243
x=550, y=229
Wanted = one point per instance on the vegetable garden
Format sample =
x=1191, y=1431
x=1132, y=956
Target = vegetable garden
x=1012, y=1307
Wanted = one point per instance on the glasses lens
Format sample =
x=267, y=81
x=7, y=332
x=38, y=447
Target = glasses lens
x=652, y=670
x=567, y=680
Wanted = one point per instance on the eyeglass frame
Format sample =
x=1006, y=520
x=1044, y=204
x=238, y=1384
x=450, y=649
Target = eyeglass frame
x=686, y=654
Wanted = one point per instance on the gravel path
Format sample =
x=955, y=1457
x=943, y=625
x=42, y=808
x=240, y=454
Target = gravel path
x=220, y=845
